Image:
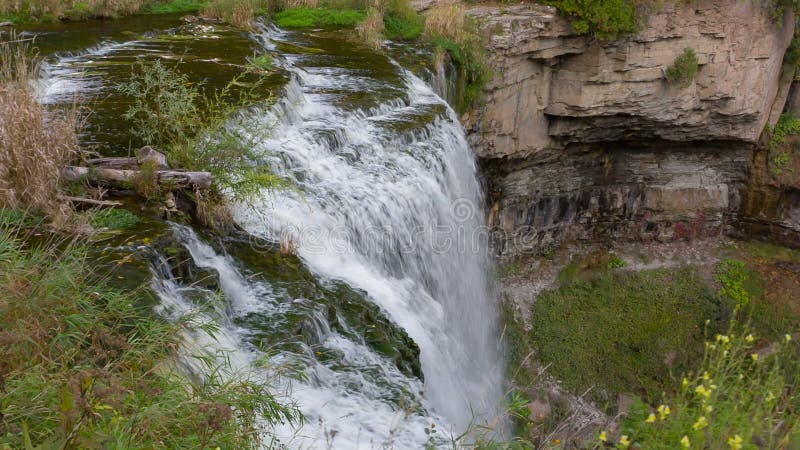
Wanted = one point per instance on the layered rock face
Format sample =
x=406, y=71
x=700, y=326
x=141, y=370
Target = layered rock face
x=586, y=139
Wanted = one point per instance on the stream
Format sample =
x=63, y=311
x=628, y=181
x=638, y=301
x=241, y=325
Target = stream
x=384, y=306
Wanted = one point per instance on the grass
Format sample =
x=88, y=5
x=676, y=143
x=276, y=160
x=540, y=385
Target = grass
x=34, y=143
x=622, y=332
x=239, y=13
x=372, y=27
x=313, y=17
x=263, y=62
x=402, y=30
x=787, y=127
x=175, y=7
x=87, y=366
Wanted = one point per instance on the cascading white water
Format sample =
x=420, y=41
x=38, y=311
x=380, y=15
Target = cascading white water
x=388, y=200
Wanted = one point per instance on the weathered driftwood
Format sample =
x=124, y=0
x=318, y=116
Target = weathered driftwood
x=114, y=162
x=89, y=201
x=122, y=178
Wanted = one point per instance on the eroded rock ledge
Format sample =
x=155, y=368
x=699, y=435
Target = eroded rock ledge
x=586, y=139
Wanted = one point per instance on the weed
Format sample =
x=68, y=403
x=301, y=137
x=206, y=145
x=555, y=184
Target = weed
x=263, y=62
x=239, y=13
x=371, y=28
x=175, y=7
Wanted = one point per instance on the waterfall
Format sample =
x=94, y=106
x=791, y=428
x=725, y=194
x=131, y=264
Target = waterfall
x=387, y=199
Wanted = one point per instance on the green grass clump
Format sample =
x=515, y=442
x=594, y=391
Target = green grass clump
x=401, y=29
x=616, y=332
x=114, y=218
x=605, y=19
x=175, y=7
x=318, y=17
x=787, y=126
x=84, y=365
x=683, y=70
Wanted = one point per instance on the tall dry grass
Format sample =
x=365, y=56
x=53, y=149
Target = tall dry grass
x=371, y=28
x=34, y=143
x=71, y=9
x=447, y=19
x=239, y=13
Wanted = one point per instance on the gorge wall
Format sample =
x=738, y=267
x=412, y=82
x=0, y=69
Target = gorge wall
x=583, y=139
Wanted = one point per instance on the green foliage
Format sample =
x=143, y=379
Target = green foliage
x=18, y=218
x=263, y=61
x=605, y=19
x=318, y=17
x=788, y=125
x=164, y=108
x=615, y=332
x=401, y=29
x=737, y=399
x=175, y=7
x=473, y=72
x=114, y=218
x=615, y=262
x=683, y=70
x=85, y=365
x=732, y=275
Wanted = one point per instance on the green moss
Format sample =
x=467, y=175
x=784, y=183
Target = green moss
x=175, y=7
x=318, y=17
x=618, y=332
x=684, y=68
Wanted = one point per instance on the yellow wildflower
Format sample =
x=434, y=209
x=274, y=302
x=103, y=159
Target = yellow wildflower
x=706, y=376
x=700, y=424
x=685, y=384
x=603, y=436
x=723, y=339
x=735, y=442
x=702, y=391
x=709, y=408
x=770, y=397
x=685, y=443
x=624, y=442
x=663, y=411
x=787, y=338
x=749, y=338
x=711, y=346
x=754, y=356
x=651, y=418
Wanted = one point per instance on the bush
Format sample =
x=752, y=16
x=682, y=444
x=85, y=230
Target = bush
x=35, y=144
x=199, y=132
x=371, y=28
x=84, y=365
x=239, y=13
x=684, y=68
x=605, y=19
x=263, y=62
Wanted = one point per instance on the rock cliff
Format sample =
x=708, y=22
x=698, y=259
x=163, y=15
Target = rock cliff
x=580, y=138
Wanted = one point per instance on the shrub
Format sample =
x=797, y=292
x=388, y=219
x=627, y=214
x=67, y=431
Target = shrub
x=263, y=62
x=683, y=70
x=787, y=126
x=203, y=134
x=35, y=144
x=605, y=19
x=84, y=365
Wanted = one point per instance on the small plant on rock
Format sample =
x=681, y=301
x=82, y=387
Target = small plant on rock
x=684, y=69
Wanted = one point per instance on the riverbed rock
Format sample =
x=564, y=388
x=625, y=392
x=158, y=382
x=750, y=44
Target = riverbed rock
x=585, y=139
x=6, y=24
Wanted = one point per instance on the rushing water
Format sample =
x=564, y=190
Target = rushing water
x=385, y=211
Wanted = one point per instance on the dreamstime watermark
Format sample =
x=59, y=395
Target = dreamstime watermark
x=462, y=228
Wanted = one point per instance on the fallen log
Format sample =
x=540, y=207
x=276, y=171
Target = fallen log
x=122, y=178
x=89, y=201
x=114, y=162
